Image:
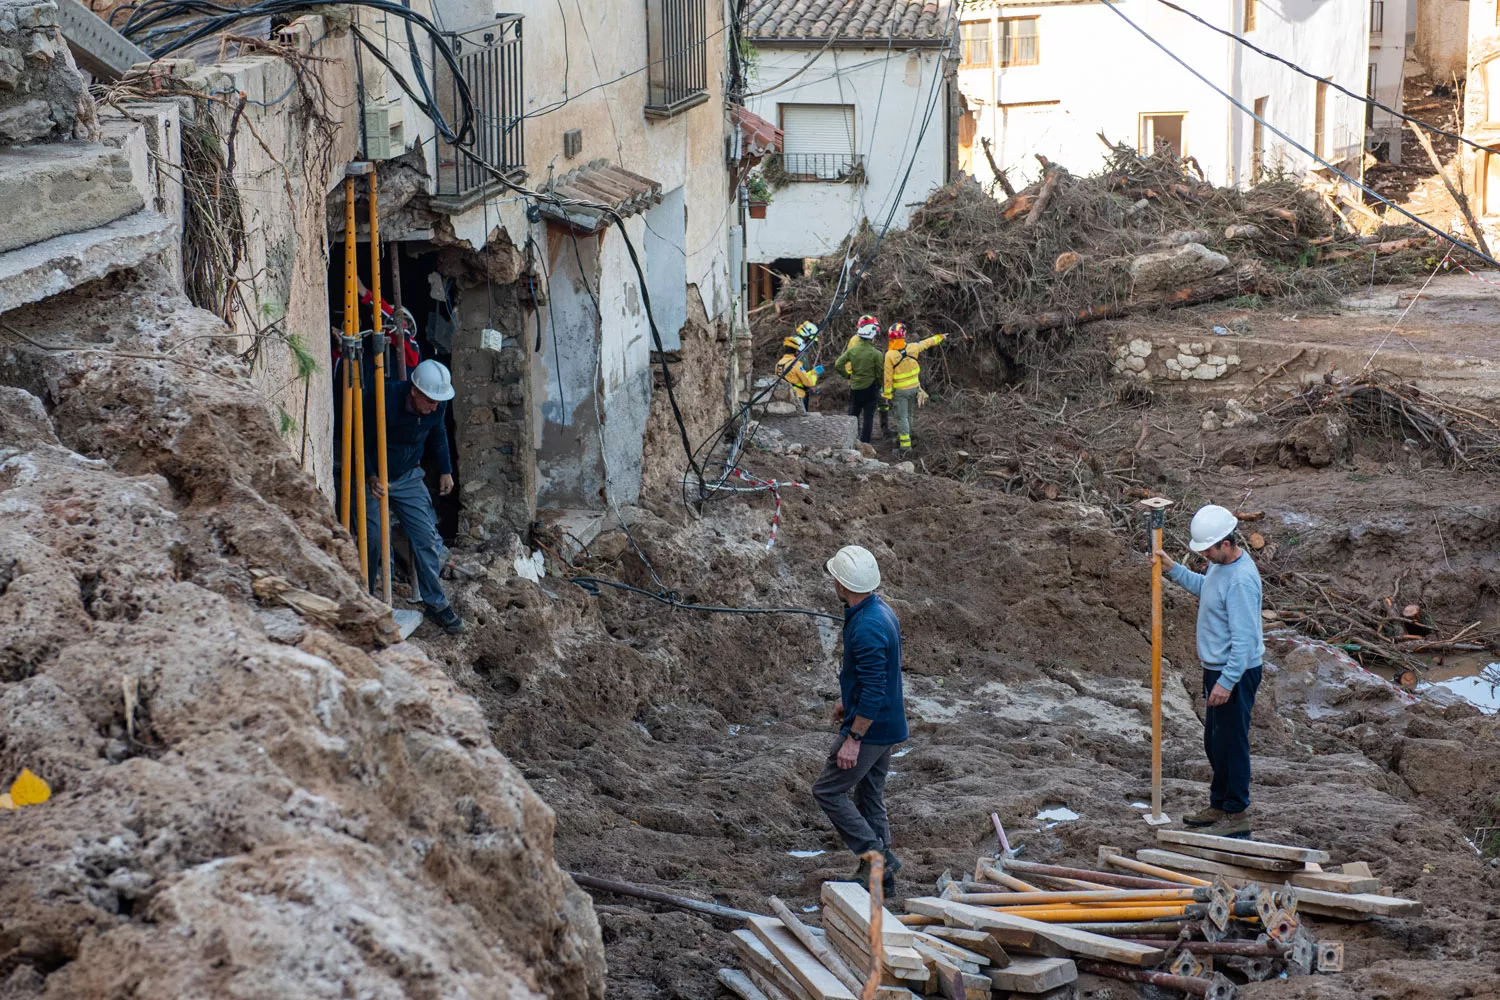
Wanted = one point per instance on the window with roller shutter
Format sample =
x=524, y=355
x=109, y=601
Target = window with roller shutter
x=818, y=141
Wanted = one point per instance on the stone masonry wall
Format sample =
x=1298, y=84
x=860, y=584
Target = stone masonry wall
x=42, y=97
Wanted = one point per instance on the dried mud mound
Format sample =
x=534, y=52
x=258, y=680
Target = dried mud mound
x=678, y=748
x=285, y=811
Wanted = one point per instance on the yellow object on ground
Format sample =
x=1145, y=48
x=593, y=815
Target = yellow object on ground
x=1086, y=914
x=28, y=790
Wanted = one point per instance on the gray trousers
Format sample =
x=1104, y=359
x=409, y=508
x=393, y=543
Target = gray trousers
x=861, y=822
x=412, y=506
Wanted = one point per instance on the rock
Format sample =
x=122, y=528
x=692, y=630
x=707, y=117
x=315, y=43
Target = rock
x=1187, y=362
x=1217, y=360
x=1198, y=348
x=282, y=625
x=1234, y=360
x=781, y=408
x=1318, y=441
x=610, y=545
x=1210, y=421
x=1188, y=236
x=905, y=467
x=1136, y=364
x=867, y=450
x=1173, y=365
x=1236, y=415
x=1172, y=268
x=1141, y=348
x=1205, y=373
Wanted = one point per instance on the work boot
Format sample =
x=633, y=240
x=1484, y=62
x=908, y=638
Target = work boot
x=892, y=866
x=446, y=618
x=1204, y=817
x=861, y=874
x=1232, y=825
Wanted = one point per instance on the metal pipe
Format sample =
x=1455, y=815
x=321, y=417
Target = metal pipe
x=1246, y=949
x=1155, y=871
x=1157, y=518
x=665, y=898
x=1084, y=874
x=1095, y=896
x=351, y=330
x=1161, y=925
x=1083, y=914
x=378, y=347
x=398, y=356
x=1217, y=988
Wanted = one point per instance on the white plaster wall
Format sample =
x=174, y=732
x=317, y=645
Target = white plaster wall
x=1442, y=44
x=809, y=219
x=1388, y=56
x=1326, y=36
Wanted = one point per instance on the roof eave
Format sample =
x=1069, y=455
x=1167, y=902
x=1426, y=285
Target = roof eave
x=846, y=43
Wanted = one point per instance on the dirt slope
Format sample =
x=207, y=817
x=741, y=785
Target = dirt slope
x=289, y=811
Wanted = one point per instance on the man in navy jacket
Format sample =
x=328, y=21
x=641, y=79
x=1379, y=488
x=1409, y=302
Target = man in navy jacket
x=871, y=714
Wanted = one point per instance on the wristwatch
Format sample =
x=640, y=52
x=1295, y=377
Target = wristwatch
x=855, y=736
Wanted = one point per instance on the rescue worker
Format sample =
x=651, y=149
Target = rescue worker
x=871, y=715
x=903, y=378
x=1230, y=647
x=861, y=364
x=790, y=366
x=414, y=424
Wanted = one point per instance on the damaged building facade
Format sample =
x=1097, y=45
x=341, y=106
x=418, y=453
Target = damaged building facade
x=522, y=231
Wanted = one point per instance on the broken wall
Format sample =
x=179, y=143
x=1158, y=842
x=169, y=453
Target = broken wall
x=1442, y=44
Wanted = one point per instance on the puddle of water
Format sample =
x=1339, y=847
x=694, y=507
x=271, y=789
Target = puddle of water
x=1474, y=677
x=1057, y=814
x=805, y=854
x=1140, y=805
x=902, y=753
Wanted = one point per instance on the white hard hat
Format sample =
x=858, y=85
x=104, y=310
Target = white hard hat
x=433, y=380
x=1211, y=525
x=855, y=567
x=868, y=331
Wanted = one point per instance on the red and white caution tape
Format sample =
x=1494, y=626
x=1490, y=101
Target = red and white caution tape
x=772, y=486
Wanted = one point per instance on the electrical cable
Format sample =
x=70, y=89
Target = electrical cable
x=1365, y=98
x=1297, y=145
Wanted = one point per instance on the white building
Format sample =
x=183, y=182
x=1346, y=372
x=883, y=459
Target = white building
x=1051, y=77
x=1387, y=72
x=859, y=90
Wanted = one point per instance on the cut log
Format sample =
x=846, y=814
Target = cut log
x=1049, y=187
x=1017, y=206
x=1241, y=860
x=1034, y=975
x=804, y=966
x=758, y=957
x=1073, y=941
x=740, y=985
x=1249, y=277
x=979, y=942
x=816, y=945
x=1257, y=848
x=853, y=902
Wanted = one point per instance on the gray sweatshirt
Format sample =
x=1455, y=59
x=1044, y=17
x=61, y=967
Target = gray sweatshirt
x=1229, y=629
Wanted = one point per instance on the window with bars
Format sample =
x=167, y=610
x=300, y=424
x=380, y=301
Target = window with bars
x=1377, y=16
x=818, y=142
x=489, y=61
x=1019, y=43
x=1372, y=77
x=677, y=50
x=974, y=37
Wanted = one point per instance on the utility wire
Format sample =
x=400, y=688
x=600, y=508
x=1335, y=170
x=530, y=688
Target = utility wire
x=1297, y=145
x=1367, y=99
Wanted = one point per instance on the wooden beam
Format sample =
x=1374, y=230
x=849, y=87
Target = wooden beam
x=1074, y=941
x=1354, y=904
x=801, y=963
x=818, y=946
x=853, y=902
x=1111, y=856
x=740, y=985
x=979, y=942
x=956, y=952
x=1034, y=975
x=1453, y=191
x=894, y=957
x=758, y=958
x=1242, y=860
x=1258, y=848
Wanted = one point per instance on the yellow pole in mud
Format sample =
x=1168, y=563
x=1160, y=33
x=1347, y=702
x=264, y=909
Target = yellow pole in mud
x=378, y=346
x=1083, y=915
x=1158, y=507
x=351, y=330
x=361, y=514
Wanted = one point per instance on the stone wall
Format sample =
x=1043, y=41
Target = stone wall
x=42, y=97
x=1183, y=361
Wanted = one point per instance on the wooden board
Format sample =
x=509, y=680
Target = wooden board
x=1074, y=941
x=954, y=951
x=801, y=963
x=1241, y=860
x=1360, y=869
x=851, y=899
x=896, y=958
x=1234, y=845
x=740, y=985
x=957, y=983
x=1013, y=938
x=768, y=987
x=758, y=959
x=1359, y=903
x=979, y=942
x=1236, y=875
x=1034, y=975
x=1334, y=882
x=857, y=955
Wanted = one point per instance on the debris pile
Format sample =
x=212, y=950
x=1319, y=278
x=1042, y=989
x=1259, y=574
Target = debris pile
x=1025, y=929
x=1145, y=233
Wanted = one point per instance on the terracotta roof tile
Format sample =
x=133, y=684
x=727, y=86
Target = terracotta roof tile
x=600, y=183
x=873, y=20
x=759, y=137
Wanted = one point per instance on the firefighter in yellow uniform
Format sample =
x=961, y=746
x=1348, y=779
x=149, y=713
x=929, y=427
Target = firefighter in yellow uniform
x=903, y=378
x=790, y=366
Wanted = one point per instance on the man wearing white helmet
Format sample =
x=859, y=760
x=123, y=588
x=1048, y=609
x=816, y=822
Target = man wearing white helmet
x=415, y=422
x=871, y=714
x=1230, y=647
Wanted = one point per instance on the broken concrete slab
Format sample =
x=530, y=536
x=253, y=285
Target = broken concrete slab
x=53, y=266
x=64, y=187
x=42, y=94
x=1172, y=268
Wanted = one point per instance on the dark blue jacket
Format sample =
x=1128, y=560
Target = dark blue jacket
x=407, y=433
x=870, y=681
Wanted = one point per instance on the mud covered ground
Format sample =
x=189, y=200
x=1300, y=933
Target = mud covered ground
x=677, y=748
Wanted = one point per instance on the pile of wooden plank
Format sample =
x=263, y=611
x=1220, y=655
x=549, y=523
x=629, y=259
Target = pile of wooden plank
x=1200, y=915
x=1346, y=892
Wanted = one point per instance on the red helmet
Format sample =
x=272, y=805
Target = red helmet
x=867, y=320
x=897, y=331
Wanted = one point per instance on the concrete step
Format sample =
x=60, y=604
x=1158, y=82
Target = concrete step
x=62, y=263
x=63, y=187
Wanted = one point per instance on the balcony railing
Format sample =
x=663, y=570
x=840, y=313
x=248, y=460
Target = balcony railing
x=1377, y=16
x=489, y=59
x=823, y=166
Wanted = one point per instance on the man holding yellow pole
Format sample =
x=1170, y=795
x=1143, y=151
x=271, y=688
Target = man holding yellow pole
x=1231, y=647
x=415, y=422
